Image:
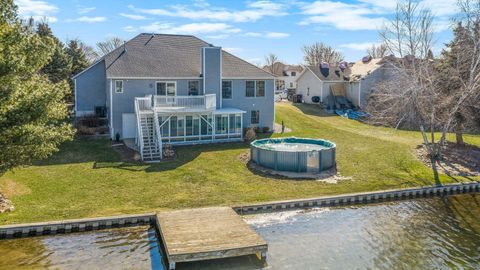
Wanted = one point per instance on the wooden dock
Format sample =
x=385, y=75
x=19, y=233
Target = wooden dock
x=207, y=233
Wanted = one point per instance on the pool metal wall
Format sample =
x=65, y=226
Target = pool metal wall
x=293, y=161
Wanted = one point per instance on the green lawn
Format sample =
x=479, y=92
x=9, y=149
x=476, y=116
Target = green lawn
x=86, y=178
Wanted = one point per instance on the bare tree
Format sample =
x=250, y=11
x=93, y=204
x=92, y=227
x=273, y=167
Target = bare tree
x=377, y=51
x=410, y=97
x=425, y=93
x=319, y=52
x=89, y=52
x=270, y=61
x=108, y=45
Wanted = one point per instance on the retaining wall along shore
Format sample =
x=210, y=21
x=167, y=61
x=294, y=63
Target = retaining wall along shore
x=75, y=225
x=89, y=224
x=360, y=198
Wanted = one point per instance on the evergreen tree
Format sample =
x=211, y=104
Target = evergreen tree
x=79, y=61
x=454, y=68
x=59, y=66
x=32, y=108
x=77, y=56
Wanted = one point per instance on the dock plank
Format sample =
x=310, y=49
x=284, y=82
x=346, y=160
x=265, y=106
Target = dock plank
x=207, y=233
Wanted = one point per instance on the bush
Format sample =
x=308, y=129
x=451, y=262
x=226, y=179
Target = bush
x=102, y=130
x=250, y=135
x=90, y=121
x=265, y=129
x=83, y=130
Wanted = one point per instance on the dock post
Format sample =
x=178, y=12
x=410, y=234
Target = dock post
x=263, y=255
x=171, y=265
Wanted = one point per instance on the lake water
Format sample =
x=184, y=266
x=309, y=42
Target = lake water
x=119, y=248
x=433, y=233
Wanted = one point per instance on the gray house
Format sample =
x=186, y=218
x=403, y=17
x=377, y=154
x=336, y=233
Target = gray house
x=175, y=89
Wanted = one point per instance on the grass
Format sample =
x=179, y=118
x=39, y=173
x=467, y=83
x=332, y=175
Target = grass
x=86, y=178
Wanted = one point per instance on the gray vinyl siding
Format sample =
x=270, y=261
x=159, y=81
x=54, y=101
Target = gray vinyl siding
x=90, y=88
x=265, y=105
x=212, y=71
x=132, y=88
x=368, y=84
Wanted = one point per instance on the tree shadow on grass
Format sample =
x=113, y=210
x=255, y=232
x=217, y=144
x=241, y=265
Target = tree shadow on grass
x=103, y=156
x=186, y=153
x=312, y=109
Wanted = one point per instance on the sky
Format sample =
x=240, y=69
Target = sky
x=249, y=29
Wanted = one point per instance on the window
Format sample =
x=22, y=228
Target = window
x=260, y=89
x=231, y=124
x=227, y=89
x=206, y=122
x=193, y=88
x=166, y=88
x=250, y=89
x=238, y=123
x=291, y=85
x=255, y=89
x=118, y=86
x=221, y=123
x=189, y=125
x=279, y=84
x=293, y=74
x=254, y=117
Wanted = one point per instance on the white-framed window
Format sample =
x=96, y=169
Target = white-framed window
x=254, y=117
x=119, y=86
x=293, y=74
x=255, y=88
x=166, y=88
x=260, y=89
x=193, y=88
x=250, y=88
x=227, y=89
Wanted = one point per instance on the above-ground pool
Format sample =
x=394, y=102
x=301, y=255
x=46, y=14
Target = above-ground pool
x=294, y=154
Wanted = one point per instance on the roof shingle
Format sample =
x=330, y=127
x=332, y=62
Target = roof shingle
x=176, y=56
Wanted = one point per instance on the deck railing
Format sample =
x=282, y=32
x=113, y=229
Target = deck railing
x=144, y=103
x=206, y=102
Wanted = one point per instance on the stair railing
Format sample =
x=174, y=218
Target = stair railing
x=139, y=127
x=158, y=134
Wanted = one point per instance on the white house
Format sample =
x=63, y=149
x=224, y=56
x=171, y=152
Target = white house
x=358, y=78
x=285, y=75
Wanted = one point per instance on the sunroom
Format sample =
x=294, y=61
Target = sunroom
x=188, y=128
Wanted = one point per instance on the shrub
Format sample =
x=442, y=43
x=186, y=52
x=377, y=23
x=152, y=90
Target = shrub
x=265, y=129
x=250, y=135
x=83, y=130
x=102, y=130
x=117, y=137
x=91, y=121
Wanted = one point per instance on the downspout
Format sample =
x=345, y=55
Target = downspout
x=221, y=75
x=321, y=91
x=75, y=94
x=111, y=111
x=359, y=92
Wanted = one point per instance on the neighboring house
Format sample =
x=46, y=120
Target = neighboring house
x=175, y=89
x=359, y=79
x=315, y=81
x=285, y=75
x=363, y=76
